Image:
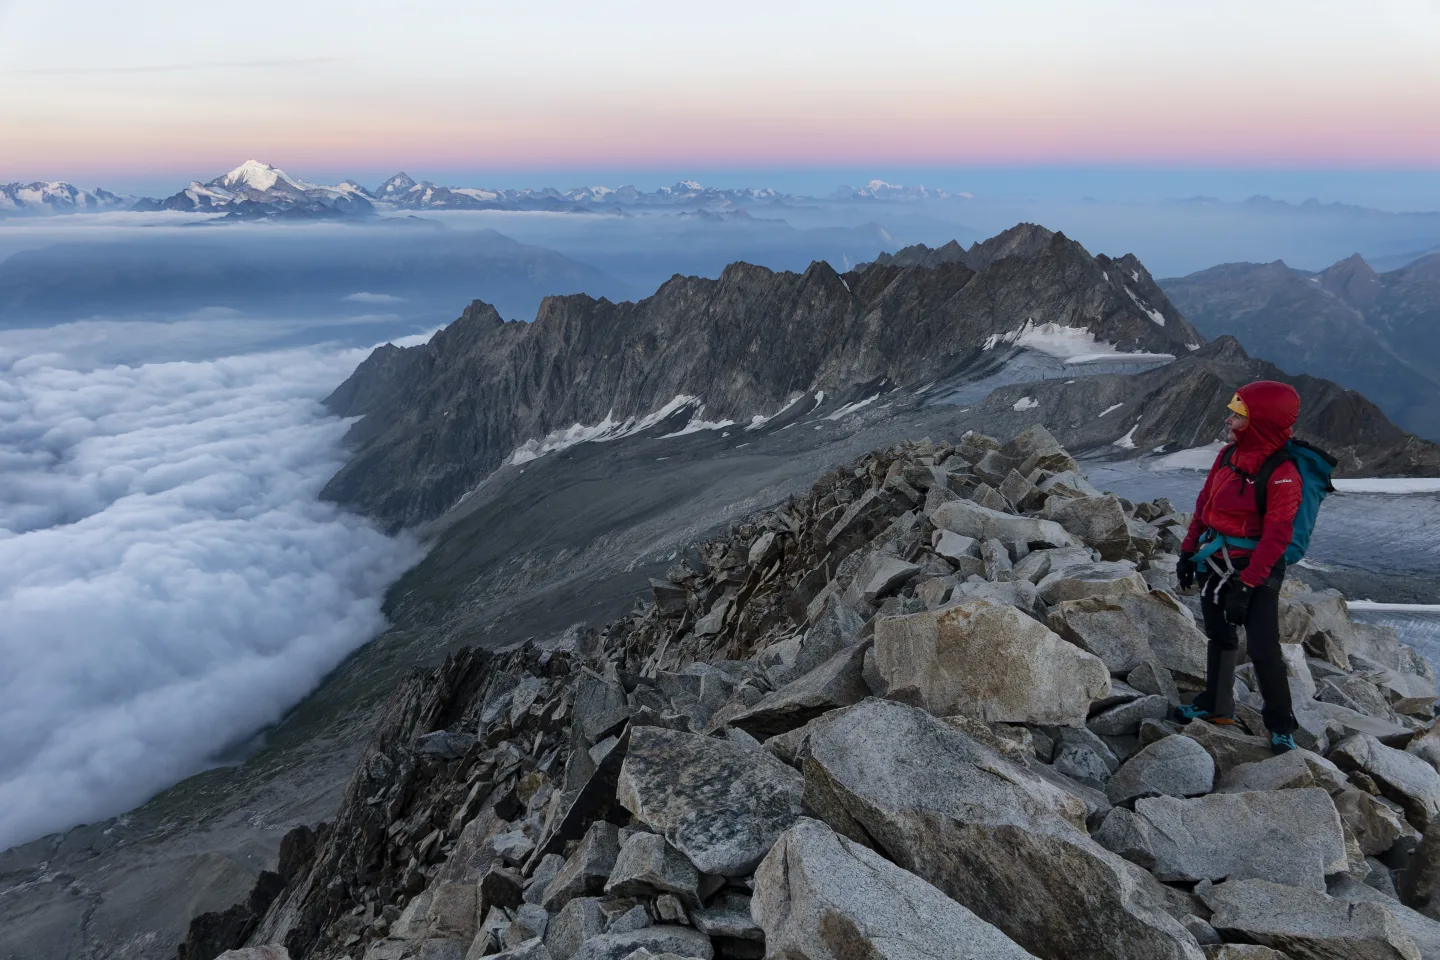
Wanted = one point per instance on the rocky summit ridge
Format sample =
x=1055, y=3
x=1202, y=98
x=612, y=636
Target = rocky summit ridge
x=920, y=710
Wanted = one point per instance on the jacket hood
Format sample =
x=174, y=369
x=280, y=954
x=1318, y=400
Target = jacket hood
x=1274, y=408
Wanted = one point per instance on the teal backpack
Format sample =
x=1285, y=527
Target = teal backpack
x=1315, y=467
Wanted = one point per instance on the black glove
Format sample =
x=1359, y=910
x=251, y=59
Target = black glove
x=1185, y=569
x=1237, y=602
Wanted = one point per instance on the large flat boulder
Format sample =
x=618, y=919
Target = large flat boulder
x=1128, y=629
x=1102, y=579
x=1227, y=746
x=719, y=803
x=994, y=837
x=969, y=519
x=1098, y=521
x=1286, y=771
x=1307, y=923
x=1288, y=836
x=1170, y=767
x=989, y=661
x=821, y=896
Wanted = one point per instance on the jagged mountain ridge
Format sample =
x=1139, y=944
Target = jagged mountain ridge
x=441, y=416
x=1373, y=332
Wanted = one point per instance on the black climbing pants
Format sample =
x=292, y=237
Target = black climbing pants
x=1262, y=642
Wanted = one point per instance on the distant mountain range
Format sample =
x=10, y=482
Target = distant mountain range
x=259, y=191
x=57, y=197
x=1372, y=332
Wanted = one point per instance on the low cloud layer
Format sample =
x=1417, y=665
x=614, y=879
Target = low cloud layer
x=168, y=581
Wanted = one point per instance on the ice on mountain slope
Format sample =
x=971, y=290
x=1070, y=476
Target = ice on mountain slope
x=606, y=430
x=1202, y=458
x=1071, y=344
x=1390, y=485
x=850, y=408
x=1150, y=311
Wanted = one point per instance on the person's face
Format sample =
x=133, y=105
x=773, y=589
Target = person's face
x=1234, y=424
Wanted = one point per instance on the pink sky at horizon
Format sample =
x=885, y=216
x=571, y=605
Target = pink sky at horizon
x=190, y=92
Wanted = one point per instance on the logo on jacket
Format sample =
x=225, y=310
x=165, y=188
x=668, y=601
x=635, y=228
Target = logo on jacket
x=1284, y=480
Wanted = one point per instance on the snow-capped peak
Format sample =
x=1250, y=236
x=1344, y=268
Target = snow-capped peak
x=262, y=177
x=400, y=183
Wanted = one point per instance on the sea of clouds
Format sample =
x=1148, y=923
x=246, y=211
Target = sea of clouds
x=169, y=581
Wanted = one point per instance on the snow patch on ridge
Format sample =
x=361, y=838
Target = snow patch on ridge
x=1025, y=403
x=1127, y=442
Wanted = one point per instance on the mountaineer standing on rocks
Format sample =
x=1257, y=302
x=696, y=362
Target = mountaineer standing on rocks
x=1252, y=518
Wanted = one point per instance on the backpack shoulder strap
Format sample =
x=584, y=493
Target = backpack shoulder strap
x=1227, y=453
x=1267, y=470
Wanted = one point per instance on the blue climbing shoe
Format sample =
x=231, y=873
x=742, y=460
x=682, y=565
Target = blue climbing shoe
x=1282, y=743
x=1188, y=711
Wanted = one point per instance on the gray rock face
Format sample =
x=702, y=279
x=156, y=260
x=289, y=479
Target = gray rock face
x=953, y=546
x=648, y=866
x=1242, y=951
x=577, y=921
x=1126, y=718
x=833, y=630
x=820, y=896
x=1403, y=777
x=585, y=870
x=1227, y=745
x=837, y=683
x=1288, y=771
x=1288, y=836
x=729, y=916
x=662, y=938
x=1099, y=521
x=1308, y=923
x=718, y=803
x=1172, y=767
x=1102, y=579
x=533, y=949
x=992, y=836
x=256, y=953
x=1132, y=628
x=971, y=520
x=879, y=576
x=987, y=661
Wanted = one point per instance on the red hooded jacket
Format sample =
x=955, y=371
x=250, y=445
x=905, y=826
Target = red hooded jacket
x=1227, y=501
